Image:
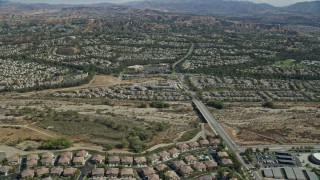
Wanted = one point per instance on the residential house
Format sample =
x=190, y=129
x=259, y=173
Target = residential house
x=164, y=155
x=82, y=153
x=190, y=159
x=27, y=174
x=222, y=154
x=153, y=177
x=154, y=158
x=64, y=161
x=126, y=161
x=98, y=159
x=126, y=173
x=211, y=165
x=148, y=171
x=67, y=154
x=186, y=171
x=183, y=147
x=114, y=161
x=32, y=163
x=171, y=175
x=174, y=152
x=194, y=145
x=140, y=161
x=13, y=160
x=56, y=171
x=226, y=162
x=204, y=143
x=207, y=177
x=79, y=161
x=214, y=142
x=161, y=167
x=178, y=164
x=199, y=166
x=69, y=172
x=42, y=171
x=32, y=157
x=4, y=170
x=47, y=155
x=97, y=173
x=47, y=161
x=112, y=173
x=46, y=178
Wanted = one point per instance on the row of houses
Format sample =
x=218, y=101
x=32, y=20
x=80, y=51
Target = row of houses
x=66, y=163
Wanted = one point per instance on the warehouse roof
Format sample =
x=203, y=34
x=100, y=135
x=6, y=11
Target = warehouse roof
x=311, y=175
x=268, y=173
x=277, y=173
x=299, y=174
x=289, y=173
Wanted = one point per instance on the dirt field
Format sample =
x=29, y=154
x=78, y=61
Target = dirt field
x=180, y=117
x=288, y=123
x=8, y=134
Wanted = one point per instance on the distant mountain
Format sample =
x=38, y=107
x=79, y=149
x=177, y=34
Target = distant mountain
x=205, y=6
x=306, y=7
x=226, y=6
x=3, y=2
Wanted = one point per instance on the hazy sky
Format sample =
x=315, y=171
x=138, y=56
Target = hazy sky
x=273, y=2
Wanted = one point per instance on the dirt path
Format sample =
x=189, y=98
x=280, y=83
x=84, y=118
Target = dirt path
x=27, y=127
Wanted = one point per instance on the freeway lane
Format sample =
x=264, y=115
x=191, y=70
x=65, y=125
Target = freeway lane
x=184, y=58
x=215, y=125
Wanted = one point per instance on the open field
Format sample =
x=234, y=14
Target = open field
x=11, y=133
x=248, y=123
x=91, y=121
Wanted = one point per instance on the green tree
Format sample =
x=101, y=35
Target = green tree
x=125, y=143
x=216, y=104
x=268, y=104
x=143, y=105
x=136, y=144
x=56, y=143
x=159, y=104
x=107, y=147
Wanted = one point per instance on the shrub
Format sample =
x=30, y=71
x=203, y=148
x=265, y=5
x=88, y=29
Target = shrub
x=136, y=144
x=56, y=143
x=216, y=104
x=143, y=105
x=29, y=148
x=159, y=104
x=107, y=147
x=268, y=104
x=161, y=126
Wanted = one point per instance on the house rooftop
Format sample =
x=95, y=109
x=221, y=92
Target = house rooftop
x=148, y=171
x=98, y=172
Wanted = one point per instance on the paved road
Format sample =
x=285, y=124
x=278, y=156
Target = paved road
x=279, y=147
x=184, y=58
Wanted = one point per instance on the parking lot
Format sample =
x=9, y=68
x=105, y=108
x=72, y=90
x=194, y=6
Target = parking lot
x=272, y=159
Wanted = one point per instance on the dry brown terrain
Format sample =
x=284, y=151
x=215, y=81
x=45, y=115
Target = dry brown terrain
x=8, y=134
x=248, y=123
x=180, y=117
